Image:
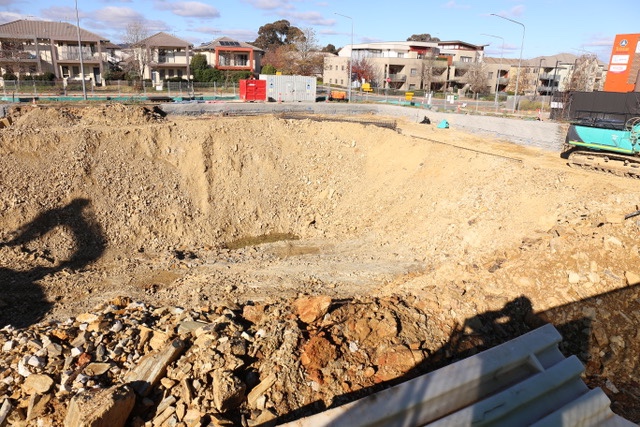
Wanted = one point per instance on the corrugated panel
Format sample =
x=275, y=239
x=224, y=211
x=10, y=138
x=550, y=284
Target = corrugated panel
x=290, y=88
x=525, y=381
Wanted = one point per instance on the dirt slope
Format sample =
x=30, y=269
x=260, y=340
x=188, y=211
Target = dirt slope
x=112, y=200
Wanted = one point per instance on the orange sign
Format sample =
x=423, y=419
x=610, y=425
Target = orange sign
x=624, y=65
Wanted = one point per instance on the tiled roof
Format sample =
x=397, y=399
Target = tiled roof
x=503, y=61
x=163, y=39
x=222, y=42
x=26, y=28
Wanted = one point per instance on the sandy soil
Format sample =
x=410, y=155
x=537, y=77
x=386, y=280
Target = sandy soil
x=113, y=200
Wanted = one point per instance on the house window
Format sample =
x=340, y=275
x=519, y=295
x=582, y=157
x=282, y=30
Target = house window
x=180, y=73
x=65, y=71
x=161, y=74
x=414, y=71
x=343, y=68
x=341, y=81
x=490, y=76
x=412, y=86
x=242, y=60
x=76, y=71
x=465, y=59
x=170, y=73
x=400, y=54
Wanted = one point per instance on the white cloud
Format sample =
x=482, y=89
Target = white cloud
x=452, y=4
x=194, y=9
x=311, y=18
x=269, y=4
x=10, y=16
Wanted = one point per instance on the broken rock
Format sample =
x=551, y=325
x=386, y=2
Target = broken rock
x=101, y=408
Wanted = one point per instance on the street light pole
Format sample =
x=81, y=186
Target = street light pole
x=499, y=67
x=350, y=54
x=84, y=86
x=515, y=106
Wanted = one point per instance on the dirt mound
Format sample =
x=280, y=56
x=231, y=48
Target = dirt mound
x=29, y=117
x=232, y=211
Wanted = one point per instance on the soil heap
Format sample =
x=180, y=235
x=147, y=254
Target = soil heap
x=283, y=266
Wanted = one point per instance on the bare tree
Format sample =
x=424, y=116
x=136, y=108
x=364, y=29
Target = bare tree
x=582, y=76
x=139, y=54
x=308, y=59
x=478, y=78
x=432, y=68
x=13, y=55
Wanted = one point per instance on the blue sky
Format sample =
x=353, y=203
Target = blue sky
x=550, y=26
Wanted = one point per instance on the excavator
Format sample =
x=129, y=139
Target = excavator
x=604, y=132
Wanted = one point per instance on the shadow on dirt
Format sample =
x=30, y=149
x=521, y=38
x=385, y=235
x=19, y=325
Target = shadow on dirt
x=602, y=331
x=23, y=299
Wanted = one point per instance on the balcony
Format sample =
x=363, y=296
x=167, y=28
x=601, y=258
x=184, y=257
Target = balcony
x=398, y=77
x=549, y=76
x=462, y=64
x=74, y=56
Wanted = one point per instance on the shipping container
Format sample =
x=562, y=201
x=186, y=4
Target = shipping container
x=253, y=90
x=290, y=88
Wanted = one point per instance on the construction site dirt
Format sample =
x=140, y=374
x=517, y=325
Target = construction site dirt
x=360, y=255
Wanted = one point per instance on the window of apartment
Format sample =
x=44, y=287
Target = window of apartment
x=161, y=74
x=170, y=73
x=400, y=54
x=490, y=76
x=180, y=73
x=65, y=71
x=465, y=59
x=412, y=86
x=341, y=81
x=414, y=71
x=343, y=68
x=76, y=71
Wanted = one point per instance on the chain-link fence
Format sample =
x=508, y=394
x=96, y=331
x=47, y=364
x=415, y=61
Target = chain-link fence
x=20, y=90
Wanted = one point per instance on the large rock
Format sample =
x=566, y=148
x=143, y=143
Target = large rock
x=310, y=309
x=101, y=408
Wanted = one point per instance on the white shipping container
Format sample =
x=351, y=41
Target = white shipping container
x=290, y=88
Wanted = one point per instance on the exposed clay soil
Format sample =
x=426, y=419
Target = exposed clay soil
x=101, y=202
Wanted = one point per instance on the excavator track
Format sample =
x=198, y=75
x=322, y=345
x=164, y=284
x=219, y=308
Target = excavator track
x=609, y=163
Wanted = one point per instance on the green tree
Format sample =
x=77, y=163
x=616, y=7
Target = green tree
x=330, y=48
x=268, y=69
x=199, y=62
x=422, y=38
x=277, y=33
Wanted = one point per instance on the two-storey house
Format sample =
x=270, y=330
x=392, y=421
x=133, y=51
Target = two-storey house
x=225, y=53
x=30, y=47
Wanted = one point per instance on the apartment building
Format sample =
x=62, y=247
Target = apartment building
x=407, y=65
x=30, y=47
x=225, y=53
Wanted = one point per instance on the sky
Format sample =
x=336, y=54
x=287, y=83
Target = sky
x=541, y=27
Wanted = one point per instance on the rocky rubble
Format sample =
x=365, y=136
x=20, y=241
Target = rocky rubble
x=216, y=365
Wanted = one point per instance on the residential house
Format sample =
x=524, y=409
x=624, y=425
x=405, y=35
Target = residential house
x=30, y=47
x=225, y=53
x=163, y=56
